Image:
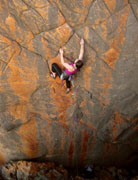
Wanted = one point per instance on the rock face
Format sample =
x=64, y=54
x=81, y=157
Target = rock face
x=98, y=121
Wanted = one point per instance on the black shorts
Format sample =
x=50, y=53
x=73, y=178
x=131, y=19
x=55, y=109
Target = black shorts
x=56, y=69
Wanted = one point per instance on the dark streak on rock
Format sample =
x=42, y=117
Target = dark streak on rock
x=84, y=146
x=71, y=152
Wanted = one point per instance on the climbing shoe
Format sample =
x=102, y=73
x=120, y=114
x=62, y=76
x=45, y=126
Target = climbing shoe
x=67, y=91
x=52, y=75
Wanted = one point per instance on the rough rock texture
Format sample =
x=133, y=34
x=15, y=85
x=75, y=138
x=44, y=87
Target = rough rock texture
x=28, y=170
x=98, y=121
x=33, y=171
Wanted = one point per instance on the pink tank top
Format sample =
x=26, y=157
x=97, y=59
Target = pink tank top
x=71, y=73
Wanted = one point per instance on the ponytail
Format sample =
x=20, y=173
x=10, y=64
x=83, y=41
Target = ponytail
x=79, y=64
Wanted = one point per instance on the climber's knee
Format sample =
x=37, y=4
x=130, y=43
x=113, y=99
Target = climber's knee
x=56, y=69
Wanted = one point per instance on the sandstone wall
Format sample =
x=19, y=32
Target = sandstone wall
x=98, y=121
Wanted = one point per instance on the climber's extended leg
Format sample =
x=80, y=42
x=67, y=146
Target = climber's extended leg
x=55, y=70
x=68, y=85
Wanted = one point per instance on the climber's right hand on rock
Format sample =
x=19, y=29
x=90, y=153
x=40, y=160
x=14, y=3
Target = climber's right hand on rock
x=61, y=51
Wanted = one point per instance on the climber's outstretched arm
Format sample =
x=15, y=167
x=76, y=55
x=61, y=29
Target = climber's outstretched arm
x=81, y=49
x=66, y=65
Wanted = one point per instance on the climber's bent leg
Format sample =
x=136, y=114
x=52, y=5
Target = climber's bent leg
x=56, y=69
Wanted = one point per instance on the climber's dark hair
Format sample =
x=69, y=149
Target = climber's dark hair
x=79, y=64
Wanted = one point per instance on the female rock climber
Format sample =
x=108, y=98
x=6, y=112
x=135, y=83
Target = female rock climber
x=70, y=69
